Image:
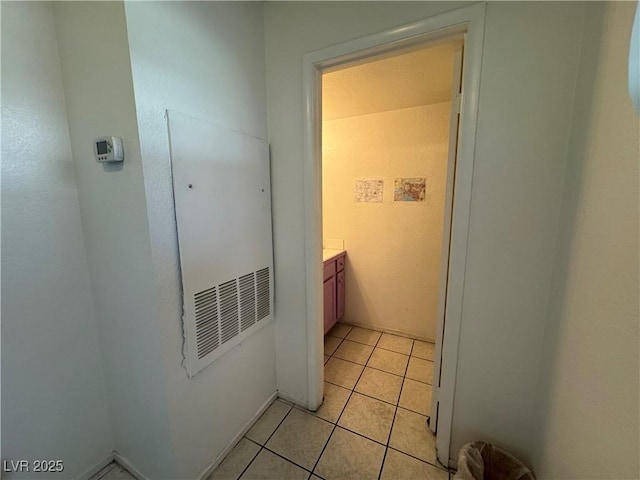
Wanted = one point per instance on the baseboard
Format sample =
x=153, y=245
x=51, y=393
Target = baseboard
x=127, y=465
x=391, y=331
x=97, y=467
x=295, y=400
x=218, y=460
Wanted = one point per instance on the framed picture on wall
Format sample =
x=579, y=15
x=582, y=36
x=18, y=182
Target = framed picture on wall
x=409, y=189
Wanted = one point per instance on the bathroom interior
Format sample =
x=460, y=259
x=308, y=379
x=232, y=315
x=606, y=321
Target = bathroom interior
x=385, y=171
x=385, y=174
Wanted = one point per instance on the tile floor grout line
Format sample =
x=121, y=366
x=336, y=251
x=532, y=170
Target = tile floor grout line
x=395, y=412
x=440, y=467
x=250, y=462
x=268, y=438
x=374, y=398
x=367, y=395
x=281, y=422
x=335, y=425
x=352, y=390
x=379, y=370
x=287, y=459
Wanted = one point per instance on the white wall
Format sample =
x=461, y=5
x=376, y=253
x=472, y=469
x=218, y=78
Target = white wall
x=528, y=75
x=54, y=396
x=204, y=59
x=528, y=78
x=394, y=249
x=99, y=94
x=588, y=412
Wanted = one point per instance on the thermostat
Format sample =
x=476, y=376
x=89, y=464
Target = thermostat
x=108, y=149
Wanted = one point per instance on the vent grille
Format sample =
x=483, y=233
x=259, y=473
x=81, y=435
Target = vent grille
x=207, y=338
x=263, y=288
x=247, y=301
x=229, y=310
x=223, y=312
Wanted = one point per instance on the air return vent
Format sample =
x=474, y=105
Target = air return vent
x=222, y=195
x=247, y=301
x=263, y=293
x=207, y=335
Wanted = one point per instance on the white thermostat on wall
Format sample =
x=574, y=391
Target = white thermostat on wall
x=108, y=149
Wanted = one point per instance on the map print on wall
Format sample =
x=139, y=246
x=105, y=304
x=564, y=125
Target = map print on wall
x=369, y=191
x=409, y=190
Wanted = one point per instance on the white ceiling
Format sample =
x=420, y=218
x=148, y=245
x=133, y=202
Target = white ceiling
x=419, y=77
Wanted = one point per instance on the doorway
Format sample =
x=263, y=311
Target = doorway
x=467, y=22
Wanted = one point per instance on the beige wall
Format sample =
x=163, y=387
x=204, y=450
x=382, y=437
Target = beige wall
x=588, y=416
x=394, y=248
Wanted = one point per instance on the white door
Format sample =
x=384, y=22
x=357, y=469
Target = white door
x=456, y=97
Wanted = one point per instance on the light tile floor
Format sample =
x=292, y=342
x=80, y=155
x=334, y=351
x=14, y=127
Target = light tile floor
x=371, y=425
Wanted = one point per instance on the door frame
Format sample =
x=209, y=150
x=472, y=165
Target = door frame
x=469, y=21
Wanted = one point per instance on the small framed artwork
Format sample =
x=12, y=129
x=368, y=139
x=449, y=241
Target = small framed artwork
x=409, y=189
x=369, y=191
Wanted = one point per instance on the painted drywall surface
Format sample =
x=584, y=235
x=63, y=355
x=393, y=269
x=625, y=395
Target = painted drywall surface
x=394, y=248
x=204, y=59
x=99, y=96
x=525, y=105
x=525, y=109
x=589, y=413
x=54, y=395
x=391, y=83
x=292, y=29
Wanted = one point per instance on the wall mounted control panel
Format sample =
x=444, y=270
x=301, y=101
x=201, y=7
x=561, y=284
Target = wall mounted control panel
x=108, y=149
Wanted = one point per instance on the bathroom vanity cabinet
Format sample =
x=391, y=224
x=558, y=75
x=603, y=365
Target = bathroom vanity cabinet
x=334, y=261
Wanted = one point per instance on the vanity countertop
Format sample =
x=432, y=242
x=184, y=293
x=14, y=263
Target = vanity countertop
x=329, y=253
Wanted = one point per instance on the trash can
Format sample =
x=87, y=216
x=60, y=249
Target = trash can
x=483, y=461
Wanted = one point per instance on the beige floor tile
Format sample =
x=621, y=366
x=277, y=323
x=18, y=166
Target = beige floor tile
x=398, y=466
x=363, y=335
x=391, y=362
x=326, y=358
x=369, y=417
x=340, y=330
x=420, y=370
x=335, y=398
x=416, y=396
x=381, y=385
x=395, y=343
x=350, y=457
x=300, y=438
x=237, y=460
x=354, y=352
x=268, y=422
x=423, y=350
x=330, y=344
x=411, y=435
x=269, y=466
x=342, y=373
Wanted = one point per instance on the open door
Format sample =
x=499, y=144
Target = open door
x=456, y=98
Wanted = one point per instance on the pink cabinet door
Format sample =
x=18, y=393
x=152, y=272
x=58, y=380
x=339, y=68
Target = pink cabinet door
x=329, y=303
x=340, y=295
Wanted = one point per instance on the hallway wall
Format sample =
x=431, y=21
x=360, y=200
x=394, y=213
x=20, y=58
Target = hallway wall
x=98, y=86
x=394, y=249
x=206, y=60
x=54, y=395
x=588, y=415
